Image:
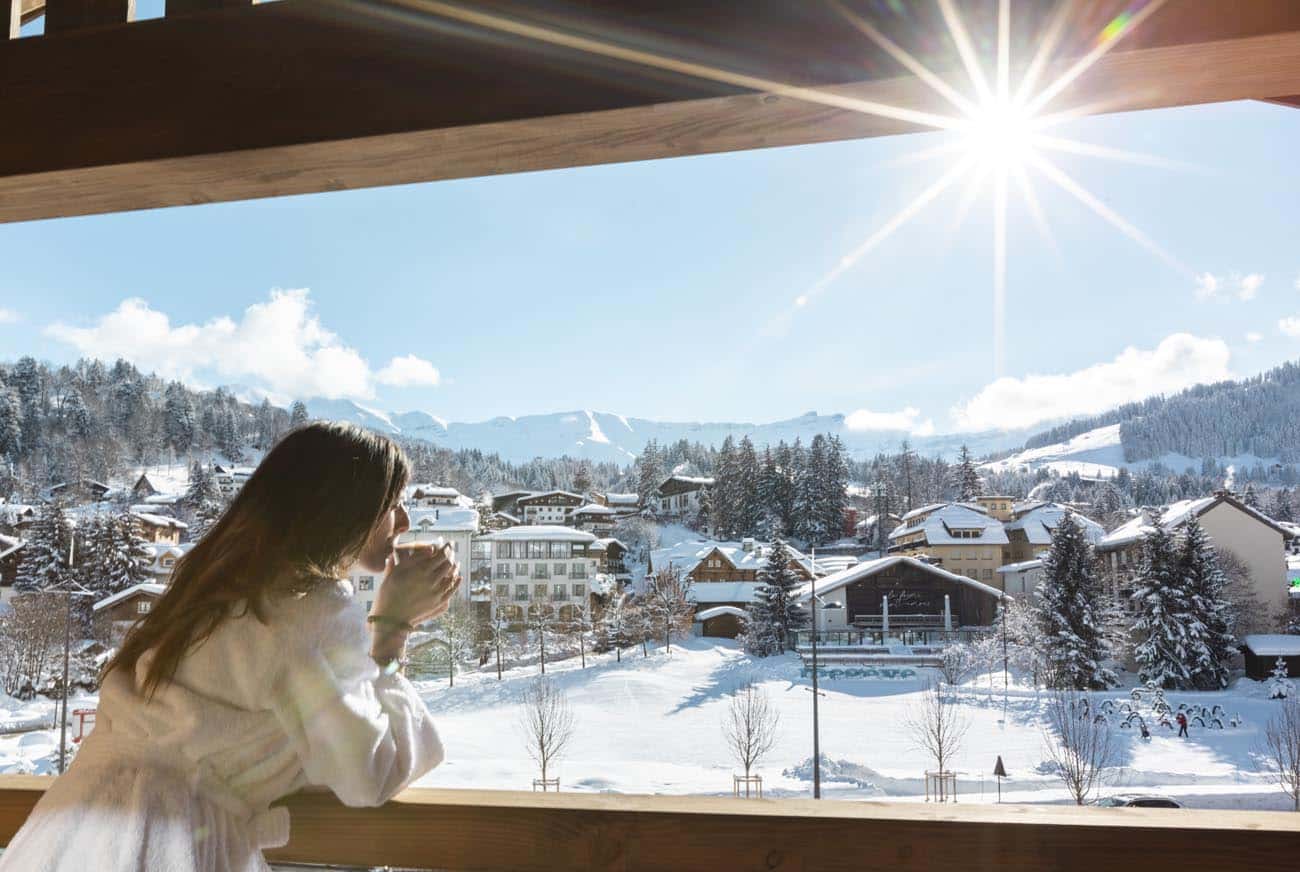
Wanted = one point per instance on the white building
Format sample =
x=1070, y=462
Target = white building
x=454, y=524
x=548, y=507
x=679, y=495
x=550, y=563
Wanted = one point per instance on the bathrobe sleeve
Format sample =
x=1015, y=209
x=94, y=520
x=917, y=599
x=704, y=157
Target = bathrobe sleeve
x=364, y=735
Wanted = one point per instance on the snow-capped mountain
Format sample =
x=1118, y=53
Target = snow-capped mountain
x=604, y=436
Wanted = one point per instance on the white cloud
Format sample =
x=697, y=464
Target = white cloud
x=409, y=371
x=9, y=316
x=1290, y=327
x=1252, y=336
x=908, y=420
x=279, y=345
x=1243, y=287
x=1179, y=361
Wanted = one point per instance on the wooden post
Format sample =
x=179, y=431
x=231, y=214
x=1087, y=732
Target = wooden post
x=62, y=16
x=15, y=17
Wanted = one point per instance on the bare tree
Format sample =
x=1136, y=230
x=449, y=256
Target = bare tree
x=498, y=628
x=616, y=626
x=32, y=635
x=580, y=628
x=1247, y=613
x=937, y=726
x=1079, y=743
x=668, y=604
x=956, y=662
x=1280, y=756
x=750, y=726
x=541, y=621
x=458, y=629
x=546, y=721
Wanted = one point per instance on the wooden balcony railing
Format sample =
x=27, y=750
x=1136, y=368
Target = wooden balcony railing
x=498, y=830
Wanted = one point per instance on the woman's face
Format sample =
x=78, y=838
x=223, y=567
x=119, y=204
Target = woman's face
x=379, y=547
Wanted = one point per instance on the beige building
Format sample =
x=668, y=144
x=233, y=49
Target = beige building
x=1256, y=540
x=1030, y=528
x=962, y=538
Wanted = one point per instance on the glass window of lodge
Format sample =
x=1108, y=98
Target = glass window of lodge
x=579, y=570
x=503, y=590
x=540, y=571
x=536, y=550
x=503, y=549
x=503, y=570
x=560, y=550
x=143, y=607
x=559, y=591
x=521, y=591
x=560, y=569
x=579, y=591
x=539, y=591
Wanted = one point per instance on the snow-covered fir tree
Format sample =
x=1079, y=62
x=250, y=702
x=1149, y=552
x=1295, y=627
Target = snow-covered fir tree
x=1206, y=585
x=178, y=418
x=112, y=555
x=616, y=627
x=749, y=508
x=758, y=635
x=298, y=414
x=968, y=478
x=1279, y=685
x=649, y=471
x=776, y=597
x=726, y=491
x=1164, y=614
x=1069, y=608
x=203, y=500
x=834, y=497
x=809, y=515
x=44, y=562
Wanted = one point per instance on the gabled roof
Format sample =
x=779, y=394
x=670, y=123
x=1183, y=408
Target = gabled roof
x=686, y=556
x=551, y=493
x=148, y=588
x=9, y=544
x=159, y=520
x=1038, y=522
x=1177, y=514
x=594, y=509
x=445, y=519
x=944, y=518
x=872, y=567
x=719, y=611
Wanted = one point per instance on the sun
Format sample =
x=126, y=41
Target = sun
x=1000, y=134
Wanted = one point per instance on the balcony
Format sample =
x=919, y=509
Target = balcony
x=503, y=830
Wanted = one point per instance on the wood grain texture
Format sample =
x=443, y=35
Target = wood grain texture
x=297, y=97
x=62, y=16
x=495, y=830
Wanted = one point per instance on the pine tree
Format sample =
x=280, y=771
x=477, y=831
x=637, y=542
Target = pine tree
x=810, y=517
x=11, y=428
x=704, y=514
x=777, y=595
x=178, y=418
x=203, y=499
x=44, y=561
x=726, y=491
x=1069, y=603
x=1250, y=498
x=759, y=633
x=1205, y=585
x=834, y=498
x=749, y=507
x=1283, y=508
x=298, y=414
x=784, y=484
x=906, y=458
x=650, y=471
x=1163, y=610
x=114, y=556
x=582, y=478
x=968, y=479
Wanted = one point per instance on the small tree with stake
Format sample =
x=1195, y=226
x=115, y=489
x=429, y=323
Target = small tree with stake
x=669, y=605
x=750, y=729
x=546, y=722
x=938, y=727
x=1079, y=745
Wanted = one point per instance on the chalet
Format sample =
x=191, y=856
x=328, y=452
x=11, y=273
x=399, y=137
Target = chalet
x=11, y=552
x=143, y=488
x=622, y=503
x=594, y=518
x=868, y=531
x=960, y=537
x=905, y=591
x=996, y=505
x=16, y=516
x=432, y=496
x=1250, y=536
x=610, y=554
x=502, y=520
x=128, y=606
x=163, y=557
x=230, y=479
x=679, y=495
x=158, y=528
x=1030, y=527
x=532, y=564
x=83, y=490
x=548, y=507
x=707, y=560
x=508, y=501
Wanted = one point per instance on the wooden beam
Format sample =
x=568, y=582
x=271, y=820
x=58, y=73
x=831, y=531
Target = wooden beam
x=315, y=95
x=498, y=830
x=62, y=16
x=185, y=7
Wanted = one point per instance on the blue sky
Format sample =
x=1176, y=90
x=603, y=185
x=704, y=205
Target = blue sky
x=662, y=289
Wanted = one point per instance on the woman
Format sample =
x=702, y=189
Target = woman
x=255, y=674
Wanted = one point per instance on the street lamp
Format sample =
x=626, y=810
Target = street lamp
x=817, y=755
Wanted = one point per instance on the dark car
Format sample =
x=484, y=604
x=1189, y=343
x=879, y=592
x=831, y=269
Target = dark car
x=1137, y=800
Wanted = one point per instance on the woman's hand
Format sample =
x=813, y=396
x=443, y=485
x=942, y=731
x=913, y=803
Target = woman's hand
x=419, y=585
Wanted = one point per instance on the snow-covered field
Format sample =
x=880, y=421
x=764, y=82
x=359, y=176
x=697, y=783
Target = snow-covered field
x=653, y=725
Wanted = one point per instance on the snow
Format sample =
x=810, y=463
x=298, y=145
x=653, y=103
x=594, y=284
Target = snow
x=596, y=434
x=687, y=555
x=871, y=567
x=146, y=587
x=1039, y=521
x=1273, y=645
x=724, y=591
x=719, y=611
x=942, y=520
x=1022, y=566
x=160, y=520
x=444, y=519
x=538, y=532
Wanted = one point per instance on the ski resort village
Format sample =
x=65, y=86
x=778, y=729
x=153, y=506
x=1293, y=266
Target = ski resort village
x=940, y=629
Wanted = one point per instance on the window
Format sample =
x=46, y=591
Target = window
x=559, y=591
x=579, y=591
x=168, y=562
x=560, y=569
x=521, y=591
x=143, y=606
x=539, y=591
x=366, y=582
x=503, y=570
x=521, y=570
x=503, y=591
x=560, y=550
x=536, y=550
x=539, y=571
x=503, y=549
x=988, y=574
x=579, y=571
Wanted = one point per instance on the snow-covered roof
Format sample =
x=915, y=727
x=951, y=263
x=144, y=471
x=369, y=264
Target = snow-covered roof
x=550, y=493
x=594, y=509
x=446, y=519
x=608, y=541
x=945, y=518
x=549, y=532
x=147, y=588
x=1039, y=521
x=622, y=499
x=160, y=550
x=1175, y=515
x=719, y=611
x=432, y=490
x=917, y=512
x=724, y=591
x=871, y=567
x=9, y=544
x=703, y=480
x=1273, y=645
x=686, y=556
x=15, y=512
x=1022, y=566
x=159, y=520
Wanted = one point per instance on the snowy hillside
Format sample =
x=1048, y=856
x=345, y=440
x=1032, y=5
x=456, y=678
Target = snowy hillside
x=1099, y=454
x=604, y=436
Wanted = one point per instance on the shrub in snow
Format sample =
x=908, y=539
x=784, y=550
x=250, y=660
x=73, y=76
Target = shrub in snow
x=1279, y=686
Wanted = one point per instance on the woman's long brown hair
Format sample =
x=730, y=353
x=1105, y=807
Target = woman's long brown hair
x=301, y=518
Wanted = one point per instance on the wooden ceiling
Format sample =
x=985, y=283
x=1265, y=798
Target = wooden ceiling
x=222, y=100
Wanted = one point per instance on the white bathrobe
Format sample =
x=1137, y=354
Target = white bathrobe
x=184, y=781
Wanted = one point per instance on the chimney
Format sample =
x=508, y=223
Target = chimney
x=747, y=545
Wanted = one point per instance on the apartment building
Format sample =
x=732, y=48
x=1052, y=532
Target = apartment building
x=963, y=538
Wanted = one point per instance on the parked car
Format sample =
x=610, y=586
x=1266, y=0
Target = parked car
x=1137, y=800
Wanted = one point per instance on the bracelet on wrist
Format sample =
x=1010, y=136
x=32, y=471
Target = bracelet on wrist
x=391, y=623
